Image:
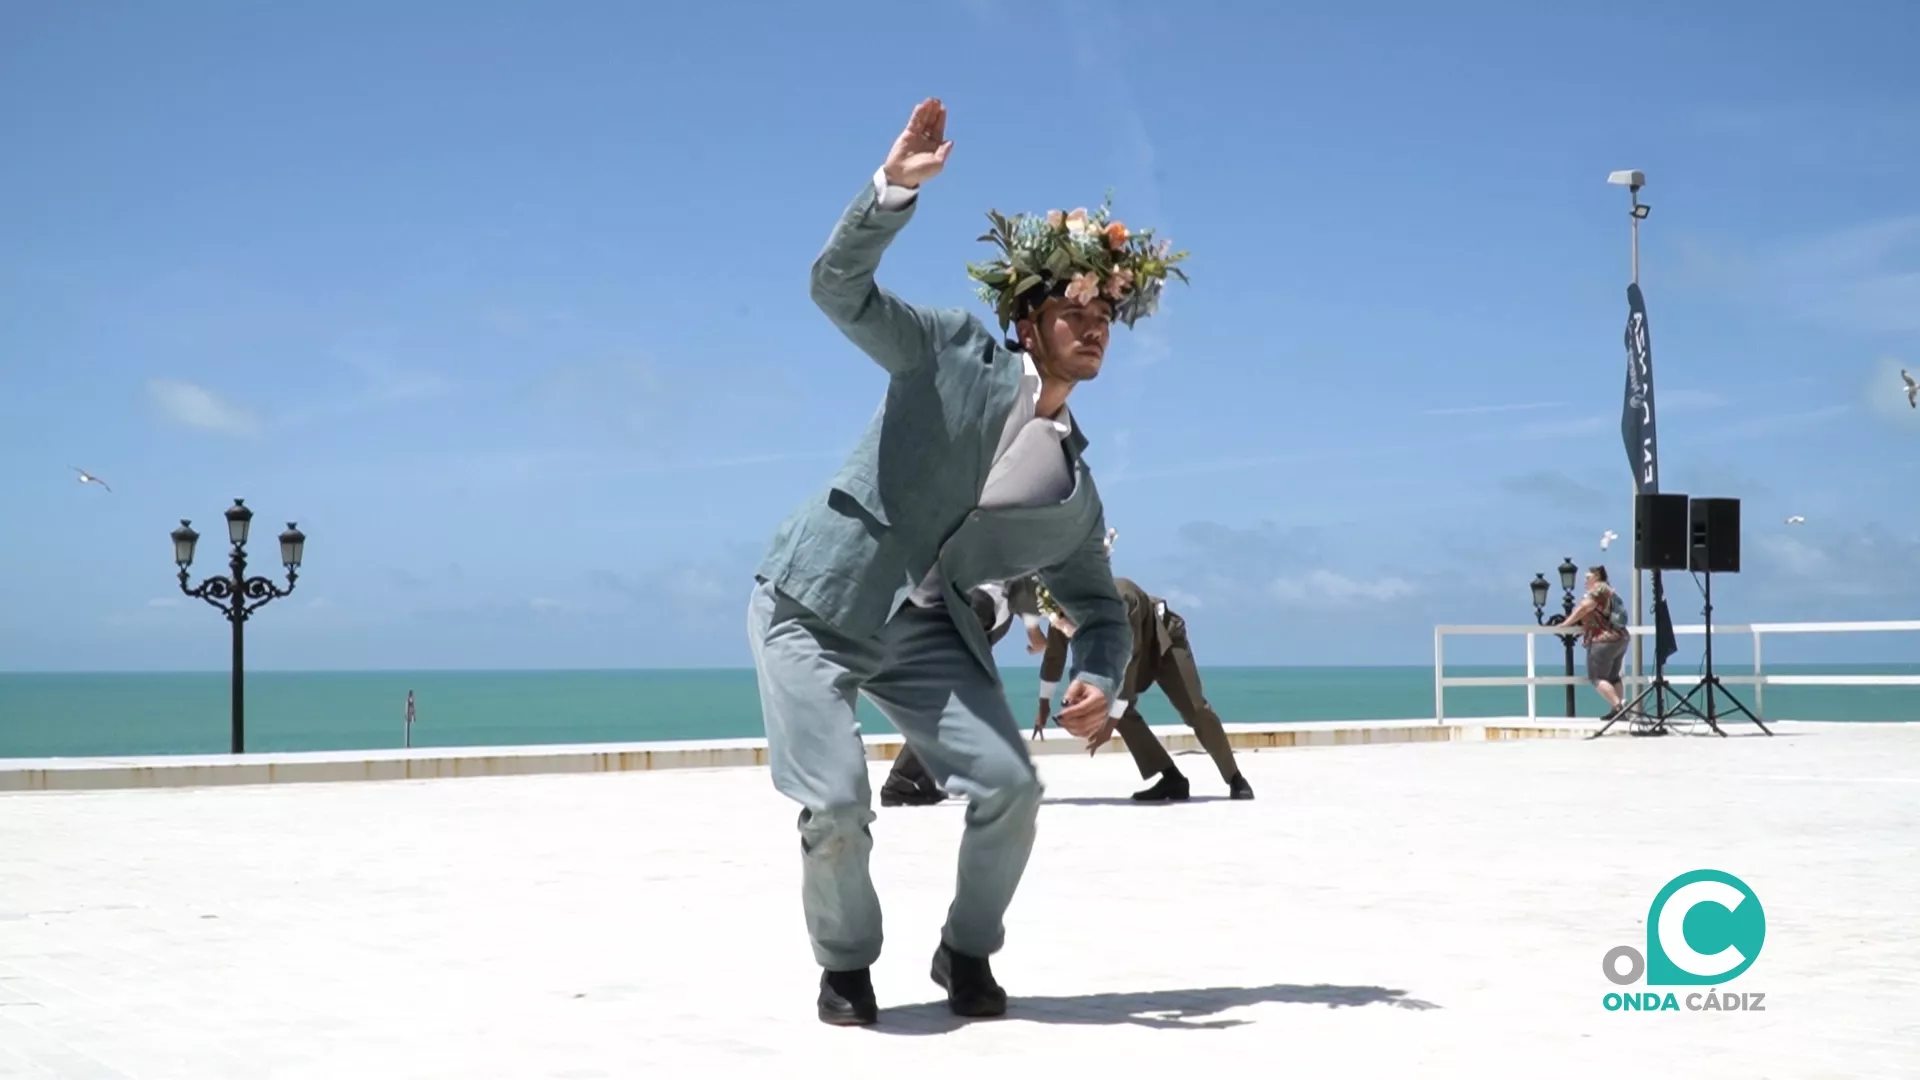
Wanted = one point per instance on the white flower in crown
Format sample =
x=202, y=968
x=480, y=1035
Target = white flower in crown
x=1084, y=287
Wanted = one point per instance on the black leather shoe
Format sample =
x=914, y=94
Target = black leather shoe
x=969, y=984
x=905, y=793
x=1238, y=788
x=846, y=998
x=1171, y=787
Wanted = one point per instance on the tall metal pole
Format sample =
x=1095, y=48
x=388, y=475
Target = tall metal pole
x=1634, y=195
x=1639, y=640
x=1566, y=642
x=237, y=615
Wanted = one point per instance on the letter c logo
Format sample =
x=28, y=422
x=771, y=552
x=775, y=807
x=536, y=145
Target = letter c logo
x=1673, y=933
x=1726, y=921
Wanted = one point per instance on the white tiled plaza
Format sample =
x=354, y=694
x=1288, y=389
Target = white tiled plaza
x=1421, y=909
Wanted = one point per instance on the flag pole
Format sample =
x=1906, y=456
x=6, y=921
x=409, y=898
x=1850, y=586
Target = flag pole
x=1640, y=437
x=1633, y=180
x=1639, y=640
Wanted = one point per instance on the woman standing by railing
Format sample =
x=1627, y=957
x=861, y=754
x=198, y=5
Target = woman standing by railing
x=1602, y=618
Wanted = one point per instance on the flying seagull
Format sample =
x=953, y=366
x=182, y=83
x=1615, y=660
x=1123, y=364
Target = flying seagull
x=1913, y=389
x=1608, y=537
x=88, y=478
x=1797, y=519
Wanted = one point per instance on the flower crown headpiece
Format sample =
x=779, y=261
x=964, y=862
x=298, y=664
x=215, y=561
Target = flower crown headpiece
x=1077, y=255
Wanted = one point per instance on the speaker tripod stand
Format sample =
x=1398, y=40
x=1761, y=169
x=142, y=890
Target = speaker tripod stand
x=1655, y=723
x=1710, y=681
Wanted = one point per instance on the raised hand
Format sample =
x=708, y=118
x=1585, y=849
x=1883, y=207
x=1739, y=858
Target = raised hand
x=920, y=152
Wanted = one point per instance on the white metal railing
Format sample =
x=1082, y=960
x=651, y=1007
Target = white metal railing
x=1759, y=680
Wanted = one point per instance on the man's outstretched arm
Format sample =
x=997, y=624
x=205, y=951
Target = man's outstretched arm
x=896, y=334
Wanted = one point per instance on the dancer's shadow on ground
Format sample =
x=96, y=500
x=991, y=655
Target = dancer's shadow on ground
x=1165, y=1009
x=1124, y=800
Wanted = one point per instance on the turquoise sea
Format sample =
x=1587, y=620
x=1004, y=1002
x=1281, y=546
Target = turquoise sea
x=45, y=715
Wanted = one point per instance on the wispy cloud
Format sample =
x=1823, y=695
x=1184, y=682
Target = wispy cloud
x=1828, y=136
x=1685, y=400
x=1780, y=423
x=1861, y=279
x=381, y=385
x=195, y=406
x=1101, y=44
x=1545, y=429
x=1793, y=556
x=1147, y=346
x=1369, y=451
x=1558, y=488
x=987, y=13
x=708, y=464
x=1180, y=598
x=1483, y=410
x=1220, y=465
x=1327, y=588
x=1098, y=47
x=554, y=469
x=1821, y=559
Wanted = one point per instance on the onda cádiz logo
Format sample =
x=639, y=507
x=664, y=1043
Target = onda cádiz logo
x=1704, y=929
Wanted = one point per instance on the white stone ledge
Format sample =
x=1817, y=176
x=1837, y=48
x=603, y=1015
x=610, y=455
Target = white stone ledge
x=423, y=763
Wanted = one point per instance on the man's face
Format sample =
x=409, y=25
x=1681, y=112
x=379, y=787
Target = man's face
x=1068, y=341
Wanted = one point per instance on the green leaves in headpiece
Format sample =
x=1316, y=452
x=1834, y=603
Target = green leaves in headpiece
x=1093, y=254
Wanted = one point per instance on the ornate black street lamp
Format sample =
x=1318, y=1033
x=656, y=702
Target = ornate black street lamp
x=1568, y=572
x=238, y=596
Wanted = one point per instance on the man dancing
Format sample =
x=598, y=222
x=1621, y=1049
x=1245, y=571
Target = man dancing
x=970, y=472
x=1162, y=656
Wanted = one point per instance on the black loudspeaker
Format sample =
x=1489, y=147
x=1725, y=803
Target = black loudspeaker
x=1715, y=528
x=1660, y=532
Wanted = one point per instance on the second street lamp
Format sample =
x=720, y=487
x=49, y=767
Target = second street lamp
x=1540, y=588
x=236, y=595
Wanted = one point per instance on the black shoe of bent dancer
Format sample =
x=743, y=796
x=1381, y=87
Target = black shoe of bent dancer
x=908, y=784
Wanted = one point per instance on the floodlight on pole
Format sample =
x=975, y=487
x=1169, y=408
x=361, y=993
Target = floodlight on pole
x=1633, y=180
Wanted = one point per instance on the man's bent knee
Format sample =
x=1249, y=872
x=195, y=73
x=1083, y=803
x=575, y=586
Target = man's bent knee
x=831, y=832
x=1009, y=785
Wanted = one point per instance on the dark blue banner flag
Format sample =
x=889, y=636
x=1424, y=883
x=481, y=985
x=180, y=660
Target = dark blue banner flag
x=1636, y=412
x=1638, y=432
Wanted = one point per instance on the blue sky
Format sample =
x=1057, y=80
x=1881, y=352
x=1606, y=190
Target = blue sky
x=506, y=305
